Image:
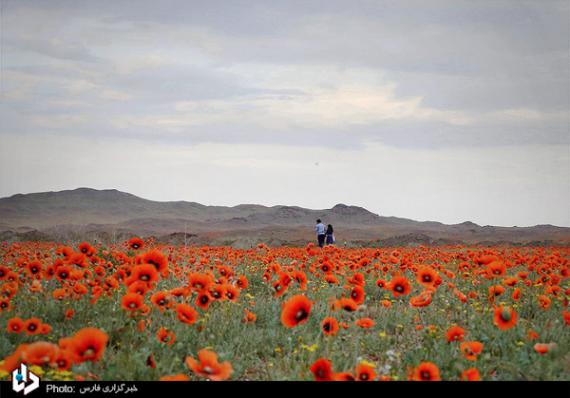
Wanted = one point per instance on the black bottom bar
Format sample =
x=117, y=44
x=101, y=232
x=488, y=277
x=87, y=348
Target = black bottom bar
x=146, y=388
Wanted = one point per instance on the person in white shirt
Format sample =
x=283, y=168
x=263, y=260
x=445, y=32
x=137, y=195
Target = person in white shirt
x=320, y=229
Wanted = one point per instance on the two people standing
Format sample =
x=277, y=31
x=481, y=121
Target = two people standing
x=324, y=234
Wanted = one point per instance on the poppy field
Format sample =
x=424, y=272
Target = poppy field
x=145, y=311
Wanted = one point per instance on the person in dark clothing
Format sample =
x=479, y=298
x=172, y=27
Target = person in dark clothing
x=320, y=230
x=329, y=235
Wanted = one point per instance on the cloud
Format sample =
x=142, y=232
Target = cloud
x=54, y=48
x=309, y=66
x=341, y=106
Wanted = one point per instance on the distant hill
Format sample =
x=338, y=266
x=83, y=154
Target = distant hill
x=110, y=214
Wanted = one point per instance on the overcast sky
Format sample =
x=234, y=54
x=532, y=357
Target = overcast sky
x=432, y=110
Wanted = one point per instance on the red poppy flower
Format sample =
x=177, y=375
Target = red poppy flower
x=176, y=377
x=150, y=362
x=421, y=300
x=511, y=282
x=34, y=269
x=69, y=313
x=242, y=282
x=77, y=259
x=400, y=286
x=344, y=376
x=231, y=292
x=132, y=302
x=296, y=311
x=280, y=286
x=157, y=259
x=203, y=299
x=496, y=269
x=365, y=372
x=165, y=336
x=566, y=316
x=505, y=317
x=347, y=304
x=40, y=353
x=543, y=348
x=544, y=302
x=326, y=268
x=357, y=278
x=330, y=326
x=15, y=325
x=471, y=349
x=32, y=326
x=365, y=323
x=45, y=329
x=63, y=360
x=427, y=276
x=516, y=294
x=200, y=281
x=87, y=249
x=495, y=291
x=135, y=243
x=426, y=371
x=381, y=283
x=147, y=273
x=207, y=366
x=322, y=370
x=180, y=292
x=249, y=317
x=161, y=300
x=4, y=305
x=455, y=333
x=217, y=291
x=301, y=279
x=12, y=361
x=88, y=344
x=186, y=314
x=63, y=272
x=357, y=294
x=225, y=271
x=471, y=374
x=4, y=272
x=138, y=287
